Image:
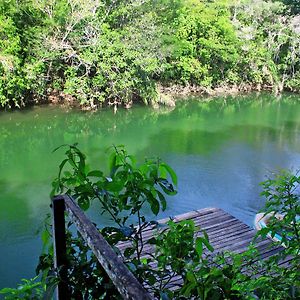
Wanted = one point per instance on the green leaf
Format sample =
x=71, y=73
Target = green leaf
x=187, y=289
x=95, y=173
x=128, y=252
x=132, y=159
x=61, y=146
x=152, y=241
x=163, y=171
x=61, y=166
x=162, y=200
x=208, y=245
x=190, y=277
x=151, y=279
x=83, y=203
x=144, y=260
x=206, y=242
x=114, y=186
x=45, y=237
x=166, y=186
x=171, y=172
x=6, y=290
x=112, y=162
x=154, y=204
x=199, y=246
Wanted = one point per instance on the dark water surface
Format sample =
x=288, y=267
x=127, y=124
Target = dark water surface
x=220, y=150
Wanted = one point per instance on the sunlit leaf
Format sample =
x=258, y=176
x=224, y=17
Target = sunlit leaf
x=199, y=246
x=171, y=172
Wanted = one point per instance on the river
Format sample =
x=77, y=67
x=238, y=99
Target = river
x=220, y=149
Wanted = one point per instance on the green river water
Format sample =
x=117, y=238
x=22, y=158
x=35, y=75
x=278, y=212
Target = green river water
x=220, y=149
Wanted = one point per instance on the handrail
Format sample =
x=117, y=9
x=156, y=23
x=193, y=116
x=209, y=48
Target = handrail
x=127, y=285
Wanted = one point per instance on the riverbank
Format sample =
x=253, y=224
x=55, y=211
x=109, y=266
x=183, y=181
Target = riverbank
x=169, y=94
x=166, y=96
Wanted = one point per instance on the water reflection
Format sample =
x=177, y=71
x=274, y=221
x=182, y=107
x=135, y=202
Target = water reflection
x=220, y=149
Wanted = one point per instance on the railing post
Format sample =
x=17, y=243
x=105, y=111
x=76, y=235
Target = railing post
x=60, y=254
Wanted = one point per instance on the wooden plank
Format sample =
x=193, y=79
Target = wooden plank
x=285, y=263
x=193, y=214
x=226, y=233
x=224, y=226
x=223, y=222
x=214, y=219
x=219, y=217
x=234, y=242
x=212, y=216
x=263, y=243
x=127, y=285
x=230, y=236
x=264, y=246
x=209, y=218
x=202, y=215
x=177, y=280
x=206, y=213
x=223, y=232
x=214, y=238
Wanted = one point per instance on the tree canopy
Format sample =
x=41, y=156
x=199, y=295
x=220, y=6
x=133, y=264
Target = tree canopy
x=110, y=51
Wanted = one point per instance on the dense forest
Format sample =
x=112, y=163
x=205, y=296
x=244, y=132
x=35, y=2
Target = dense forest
x=117, y=52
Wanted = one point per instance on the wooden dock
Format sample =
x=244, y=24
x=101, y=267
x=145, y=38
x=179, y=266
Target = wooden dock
x=226, y=233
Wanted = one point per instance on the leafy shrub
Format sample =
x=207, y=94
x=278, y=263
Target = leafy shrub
x=28, y=289
x=125, y=193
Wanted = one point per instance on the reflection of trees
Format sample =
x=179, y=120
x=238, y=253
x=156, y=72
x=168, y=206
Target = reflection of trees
x=205, y=142
x=27, y=138
x=187, y=142
x=202, y=127
x=30, y=136
x=253, y=100
x=13, y=210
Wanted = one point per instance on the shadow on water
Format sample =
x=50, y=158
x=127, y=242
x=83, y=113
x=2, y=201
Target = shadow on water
x=203, y=142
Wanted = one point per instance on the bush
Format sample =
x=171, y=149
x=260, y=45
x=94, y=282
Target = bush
x=124, y=194
x=117, y=52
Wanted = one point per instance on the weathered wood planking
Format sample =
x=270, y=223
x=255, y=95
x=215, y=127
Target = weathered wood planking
x=226, y=233
x=127, y=285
